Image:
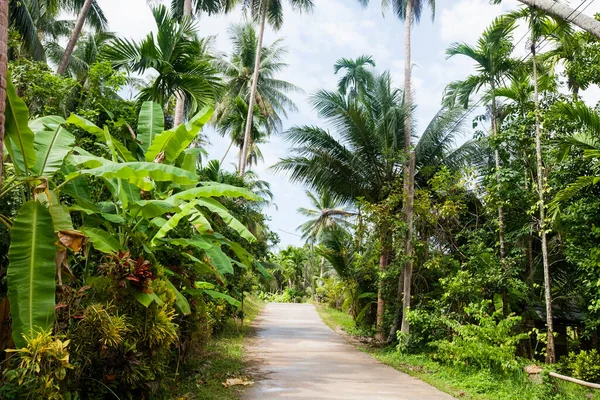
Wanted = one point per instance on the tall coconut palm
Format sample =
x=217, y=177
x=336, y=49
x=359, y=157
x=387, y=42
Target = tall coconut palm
x=408, y=11
x=326, y=213
x=361, y=160
x=493, y=62
x=358, y=78
x=181, y=61
x=38, y=21
x=186, y=9
x=3, y=70
x=271, y=95
x=263, y=10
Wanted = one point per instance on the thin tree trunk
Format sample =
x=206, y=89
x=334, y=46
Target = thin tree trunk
x=384, y=260
x=252, y=99
x=312, y=270
x=408, y=170
x=567, y=13
x=180, y=104
x=550, y=350
x=83, y=13
x=227, y=152
x=322, y=267
x=3, y=77
x=497, y=161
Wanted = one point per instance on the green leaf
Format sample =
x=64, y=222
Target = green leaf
x=215, y=295
x=229, y=219
x=216, y=190
x=146, y=299
x=102, y=240
x=31, y=271
x=137, y=172
x=52, y=144
x=18, y=137
x=219, y=260
x=188, y=160
x=151, y=122
x=263, y=271
x=118, y=149
x=176, y=140
x=180, y=301
x=196, y=242
x=152, y=208
x=172, y=222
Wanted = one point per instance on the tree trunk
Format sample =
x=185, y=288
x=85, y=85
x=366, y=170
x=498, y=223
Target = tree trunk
x=322, y=267
x=550, y=351
x=226, y=152
x=497, y=161
x=384, y=260
x=567, y=13
x=180, y=104
x=83, y=13
x=252, y=99
x=392, y=336
x=312, y=270
x=409, y=184
x=3, y=76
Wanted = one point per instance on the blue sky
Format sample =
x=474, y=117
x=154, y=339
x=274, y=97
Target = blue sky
x=341, y=28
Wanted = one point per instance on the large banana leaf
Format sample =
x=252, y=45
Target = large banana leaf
x=137, y=172
x=102, y=240
x=176, y=140
x=18, y=137
x=216, y=190
x=151, y=122
x=219, y=260
x=214, y=295
x=229, y=219
x=31, y=271
x=52, y=143
x=118, y=149
x=180, y=301
x=172, y=222
x=152, y=208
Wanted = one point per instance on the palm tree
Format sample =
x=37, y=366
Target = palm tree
x=272, y=102
x=358, y=79
x=3, y=69
x=540, y=25
x=181, y=61
x=184, y=9
x=233, y=122
x=326, y=213
x=359, y=161
x=263, y=10
x=408, y=10
x=492, y=58
x=37, y=21
x=85, y=54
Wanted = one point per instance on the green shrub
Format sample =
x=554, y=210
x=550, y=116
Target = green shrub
x=490, y=342
x=585, y=365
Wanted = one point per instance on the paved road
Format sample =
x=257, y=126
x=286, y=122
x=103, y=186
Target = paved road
x=296, y=356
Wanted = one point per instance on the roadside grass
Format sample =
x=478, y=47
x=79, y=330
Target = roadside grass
x=463, y=383
x=222, y=359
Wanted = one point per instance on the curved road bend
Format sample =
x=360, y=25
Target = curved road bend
x=297, y=356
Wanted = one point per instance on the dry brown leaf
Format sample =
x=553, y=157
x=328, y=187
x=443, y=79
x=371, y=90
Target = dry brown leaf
x=74, y=240
x=237, y=382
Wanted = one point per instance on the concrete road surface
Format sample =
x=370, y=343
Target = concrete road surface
x=296, y=356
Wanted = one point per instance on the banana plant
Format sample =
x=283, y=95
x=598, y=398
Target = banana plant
x=153, y=188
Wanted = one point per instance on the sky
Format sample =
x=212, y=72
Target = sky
x=336, y=29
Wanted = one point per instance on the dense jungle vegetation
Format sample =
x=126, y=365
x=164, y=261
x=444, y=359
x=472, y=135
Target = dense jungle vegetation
x=127, y=257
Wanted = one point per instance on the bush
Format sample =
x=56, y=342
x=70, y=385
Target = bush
x=584, y=365
x=289, y=295
x=490, y=342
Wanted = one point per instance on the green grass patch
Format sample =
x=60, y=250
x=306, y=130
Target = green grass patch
x=223, y=359
x=464, y=383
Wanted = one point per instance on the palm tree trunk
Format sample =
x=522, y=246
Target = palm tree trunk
x=226, y=152
x=312, y=270
x=497, y=161
x=83, y=13
x=3, y=76
x=252, y=99
x=180, y=104
x=409, y=167
x=550, y=351
x=562, y=11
